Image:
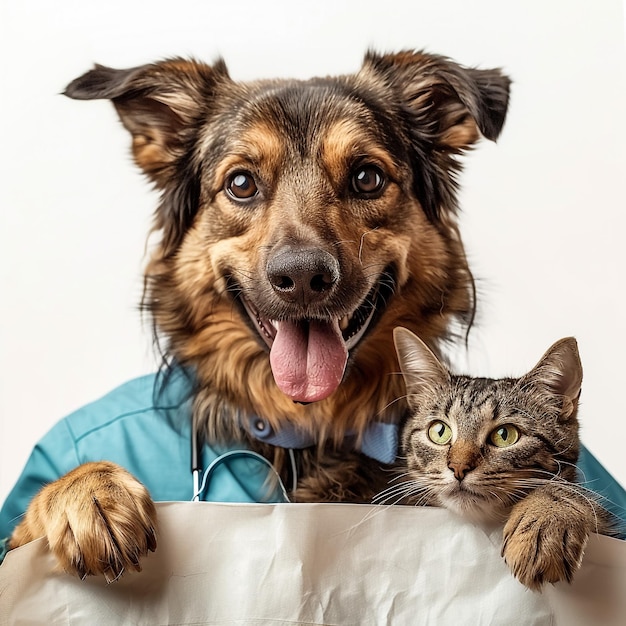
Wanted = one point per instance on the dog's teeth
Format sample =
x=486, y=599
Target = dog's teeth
x=343, y=322
x=275, y=323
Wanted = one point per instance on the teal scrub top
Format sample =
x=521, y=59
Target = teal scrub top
x=148, y=433
x=145, y=426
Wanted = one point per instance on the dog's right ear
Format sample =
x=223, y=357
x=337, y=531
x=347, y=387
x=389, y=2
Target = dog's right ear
x=158, y=104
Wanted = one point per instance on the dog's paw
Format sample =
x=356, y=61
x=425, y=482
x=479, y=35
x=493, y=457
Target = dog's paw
x=544, y=542
x=97, y=519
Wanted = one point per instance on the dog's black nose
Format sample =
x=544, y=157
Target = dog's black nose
x=302, y=275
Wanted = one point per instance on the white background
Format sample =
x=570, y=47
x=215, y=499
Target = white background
x=543, y=216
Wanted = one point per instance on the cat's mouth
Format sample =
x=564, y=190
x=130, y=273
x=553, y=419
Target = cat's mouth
x=473, y=503
x=464, y=492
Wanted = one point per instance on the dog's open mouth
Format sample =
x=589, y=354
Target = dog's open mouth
x=308, y=357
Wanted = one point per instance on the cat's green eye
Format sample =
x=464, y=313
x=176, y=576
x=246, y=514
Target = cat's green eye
x=504, y=436
x=439, y=433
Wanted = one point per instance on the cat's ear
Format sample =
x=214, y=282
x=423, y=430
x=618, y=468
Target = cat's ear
x=561, y=371
x=420, y=367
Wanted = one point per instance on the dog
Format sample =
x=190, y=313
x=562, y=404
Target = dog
x=299, y=223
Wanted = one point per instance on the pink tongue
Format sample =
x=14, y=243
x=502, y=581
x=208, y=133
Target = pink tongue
x=308, y=359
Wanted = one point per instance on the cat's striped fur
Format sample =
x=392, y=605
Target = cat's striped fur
x=501, y=450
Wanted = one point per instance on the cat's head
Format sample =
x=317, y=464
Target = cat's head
x=478, y=445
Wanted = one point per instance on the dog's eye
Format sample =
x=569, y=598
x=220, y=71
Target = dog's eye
x=367, y=180
x=241, y=186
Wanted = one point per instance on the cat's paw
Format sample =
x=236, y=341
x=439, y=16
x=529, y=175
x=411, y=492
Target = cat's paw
x=97, y=519
x=544, y=542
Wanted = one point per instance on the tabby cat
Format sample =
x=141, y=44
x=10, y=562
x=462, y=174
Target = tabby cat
x=501, y=450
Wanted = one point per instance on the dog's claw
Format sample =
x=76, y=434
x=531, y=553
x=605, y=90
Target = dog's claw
x=116, y=575
x=152, y=540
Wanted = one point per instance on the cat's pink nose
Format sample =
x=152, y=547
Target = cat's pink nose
x=460, y=468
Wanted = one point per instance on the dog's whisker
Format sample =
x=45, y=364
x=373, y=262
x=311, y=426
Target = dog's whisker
x=362, y=240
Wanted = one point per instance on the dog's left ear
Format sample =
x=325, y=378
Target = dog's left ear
x=444, y=108
x=450, y=105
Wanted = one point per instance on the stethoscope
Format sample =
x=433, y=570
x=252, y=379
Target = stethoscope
x=202, y=479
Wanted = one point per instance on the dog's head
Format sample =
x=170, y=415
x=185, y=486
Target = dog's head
x=301, y=221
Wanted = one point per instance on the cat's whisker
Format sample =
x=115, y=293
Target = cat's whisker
x=565, y=450
x=374, y=511
x=392, y=498
x=427, y=492
x=391, y=492
x=399, y=477
x=424, y=500
x=394, y=401
x=572, y=490
x=574, y=465
x=402, y=490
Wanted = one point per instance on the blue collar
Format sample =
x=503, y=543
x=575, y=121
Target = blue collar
x=379, y=441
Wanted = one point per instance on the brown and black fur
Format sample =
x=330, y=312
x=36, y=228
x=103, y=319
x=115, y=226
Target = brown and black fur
x=409, y=116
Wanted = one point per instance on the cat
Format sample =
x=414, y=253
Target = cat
x=501, y=450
